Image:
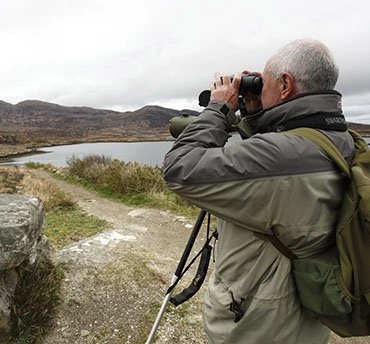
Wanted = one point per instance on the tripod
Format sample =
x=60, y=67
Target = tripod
x=181, y=270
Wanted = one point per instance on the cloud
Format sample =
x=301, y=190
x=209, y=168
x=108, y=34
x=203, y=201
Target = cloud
x=124, y=55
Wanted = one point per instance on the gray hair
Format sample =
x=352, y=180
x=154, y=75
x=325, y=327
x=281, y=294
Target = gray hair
x=309, y=61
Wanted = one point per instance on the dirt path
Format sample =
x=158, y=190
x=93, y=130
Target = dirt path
x=117, y=280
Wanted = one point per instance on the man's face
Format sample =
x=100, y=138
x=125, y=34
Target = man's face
x=271, y=94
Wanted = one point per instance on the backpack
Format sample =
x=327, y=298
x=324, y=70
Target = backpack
x=335, y=285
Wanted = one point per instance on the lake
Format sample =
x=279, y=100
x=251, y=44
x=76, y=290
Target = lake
x=149, y=153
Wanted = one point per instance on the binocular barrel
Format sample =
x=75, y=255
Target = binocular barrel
x=249, y=83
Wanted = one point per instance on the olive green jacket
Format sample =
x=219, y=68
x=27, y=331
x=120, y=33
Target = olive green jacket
x=269, y=183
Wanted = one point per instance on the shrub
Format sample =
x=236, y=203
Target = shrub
x=88, y=167
x=10, y=178
x=39, y=165
x=133, y=178
x=133, y=183
x=50, y=194
x=121, y=177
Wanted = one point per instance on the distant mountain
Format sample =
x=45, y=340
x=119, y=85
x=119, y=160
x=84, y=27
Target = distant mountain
x=34, y=122
x=363, y=129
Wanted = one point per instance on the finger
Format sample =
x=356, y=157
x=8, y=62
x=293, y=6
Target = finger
x=237, y=77
x=218, y=81
x=226, y=80
x=236, y=80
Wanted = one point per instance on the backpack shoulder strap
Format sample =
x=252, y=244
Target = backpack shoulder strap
x=325, y=144
x=277, y=243
x=329, y=148
x=360, y=142
x=362, y=155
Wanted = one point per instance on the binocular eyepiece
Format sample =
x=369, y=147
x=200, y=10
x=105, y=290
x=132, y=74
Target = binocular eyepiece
x=249, y=83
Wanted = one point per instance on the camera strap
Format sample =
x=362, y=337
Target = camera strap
x=205, y=255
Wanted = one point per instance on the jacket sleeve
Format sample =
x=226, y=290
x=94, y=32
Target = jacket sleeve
x=267, y=183
x=216, y=178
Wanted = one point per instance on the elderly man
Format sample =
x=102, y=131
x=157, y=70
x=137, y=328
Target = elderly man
x=269, y=183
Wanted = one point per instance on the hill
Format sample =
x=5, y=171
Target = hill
x=34, y=123
x=363, y=129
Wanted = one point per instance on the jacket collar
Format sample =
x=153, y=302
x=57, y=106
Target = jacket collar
x=302, y=106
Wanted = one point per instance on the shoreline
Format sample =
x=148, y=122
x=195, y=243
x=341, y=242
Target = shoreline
x=37, y=149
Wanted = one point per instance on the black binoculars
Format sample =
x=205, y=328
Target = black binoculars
x=249, y=83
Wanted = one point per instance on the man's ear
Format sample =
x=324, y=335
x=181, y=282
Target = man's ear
x=287, y=86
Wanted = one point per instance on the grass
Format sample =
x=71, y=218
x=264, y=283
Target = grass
x=131, y=183
x=52, y=197
x=65, y=221
x=36, y=165
x=36, y=299
x=9, y=179
x=67, y=225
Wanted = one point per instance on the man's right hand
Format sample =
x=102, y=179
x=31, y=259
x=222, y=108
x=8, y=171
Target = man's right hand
x=226, y=90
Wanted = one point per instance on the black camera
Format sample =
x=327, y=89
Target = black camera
x=249, y=83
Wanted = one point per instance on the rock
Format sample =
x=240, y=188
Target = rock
x=21, y=241
x=139, y=213
x=93, y=251
x=85, y=333
x=8, y=283
x=21, y=225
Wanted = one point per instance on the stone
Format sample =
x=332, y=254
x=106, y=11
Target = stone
x=93, y=251
x=21, y=240
x=8, y=283
x=21, y=225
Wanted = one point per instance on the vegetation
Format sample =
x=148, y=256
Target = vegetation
x=65, y=226
x=9, y=180
x=38, y=291
x=52, y=197
x=132, y=183
x=65, y=222
x=36, y=299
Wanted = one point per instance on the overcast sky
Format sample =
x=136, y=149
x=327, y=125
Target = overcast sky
x=122, y=55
